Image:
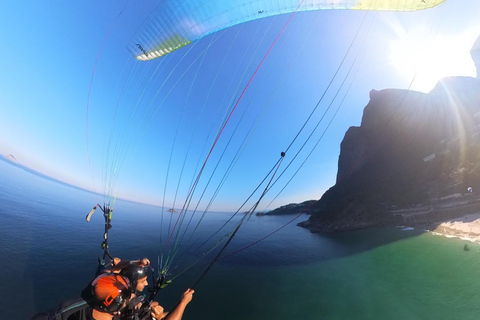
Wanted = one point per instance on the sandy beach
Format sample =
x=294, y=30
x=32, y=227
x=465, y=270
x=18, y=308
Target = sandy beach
x=466, y=228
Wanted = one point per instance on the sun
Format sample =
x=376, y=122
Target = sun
x=427, y=60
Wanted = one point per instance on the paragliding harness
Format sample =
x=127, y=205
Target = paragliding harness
x=107, y=214
x=143, y=312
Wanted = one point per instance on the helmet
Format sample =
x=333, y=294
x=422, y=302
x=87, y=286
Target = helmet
x=110, y=291
x=133, y=273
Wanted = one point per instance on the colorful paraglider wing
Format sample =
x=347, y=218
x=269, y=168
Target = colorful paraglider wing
x=176, y=23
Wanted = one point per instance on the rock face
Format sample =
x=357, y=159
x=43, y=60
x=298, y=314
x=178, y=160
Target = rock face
x=410, y=149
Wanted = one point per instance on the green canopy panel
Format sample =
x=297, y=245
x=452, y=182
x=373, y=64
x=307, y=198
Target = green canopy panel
x=176, y=23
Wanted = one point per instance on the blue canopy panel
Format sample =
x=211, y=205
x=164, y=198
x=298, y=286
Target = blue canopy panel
x=176, y=23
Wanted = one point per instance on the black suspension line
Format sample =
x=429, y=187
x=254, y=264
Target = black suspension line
x=276, y=167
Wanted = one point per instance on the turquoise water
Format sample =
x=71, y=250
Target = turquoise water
x=49, y=254
x=425, y=277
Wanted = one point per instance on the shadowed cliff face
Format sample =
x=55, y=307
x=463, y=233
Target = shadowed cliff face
x=410, y=148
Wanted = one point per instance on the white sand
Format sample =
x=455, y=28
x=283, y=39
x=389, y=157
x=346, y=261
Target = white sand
x=466, y=228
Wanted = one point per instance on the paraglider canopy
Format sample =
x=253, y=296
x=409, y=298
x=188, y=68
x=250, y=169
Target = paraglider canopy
x=177, y=23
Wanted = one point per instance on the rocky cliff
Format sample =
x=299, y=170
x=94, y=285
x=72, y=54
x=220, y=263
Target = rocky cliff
x=292, y=208
x=410, y=150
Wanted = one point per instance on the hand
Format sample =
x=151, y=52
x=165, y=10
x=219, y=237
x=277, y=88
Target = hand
x=115, y=261
x=138, y=305
x=187, y=296
x=157, y=311
x=144, y=262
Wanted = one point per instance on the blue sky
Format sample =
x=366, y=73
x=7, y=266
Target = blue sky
x=139, y=112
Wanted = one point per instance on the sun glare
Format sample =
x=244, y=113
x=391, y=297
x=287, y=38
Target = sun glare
x=427, y=60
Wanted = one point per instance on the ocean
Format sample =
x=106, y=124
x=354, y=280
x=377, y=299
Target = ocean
x=49, y=254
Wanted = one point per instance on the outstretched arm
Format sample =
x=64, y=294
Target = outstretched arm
x=117, y=264
x=177, y=312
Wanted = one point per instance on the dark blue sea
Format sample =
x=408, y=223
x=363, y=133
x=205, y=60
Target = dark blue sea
x=49, y=254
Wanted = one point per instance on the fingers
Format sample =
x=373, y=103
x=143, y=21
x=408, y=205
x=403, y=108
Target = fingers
x=188, y=295
x=157, y=311
x=145, y=262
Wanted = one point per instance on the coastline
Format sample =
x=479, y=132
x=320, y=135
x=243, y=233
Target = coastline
x=466, y=227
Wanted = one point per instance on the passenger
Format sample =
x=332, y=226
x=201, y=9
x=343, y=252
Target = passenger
x=136, y=272
x=105, y=297
x=137, y=276
x=113, y=296
x=110, y=293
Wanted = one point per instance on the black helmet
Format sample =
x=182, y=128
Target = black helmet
x=133, y=273
x=110, y=291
